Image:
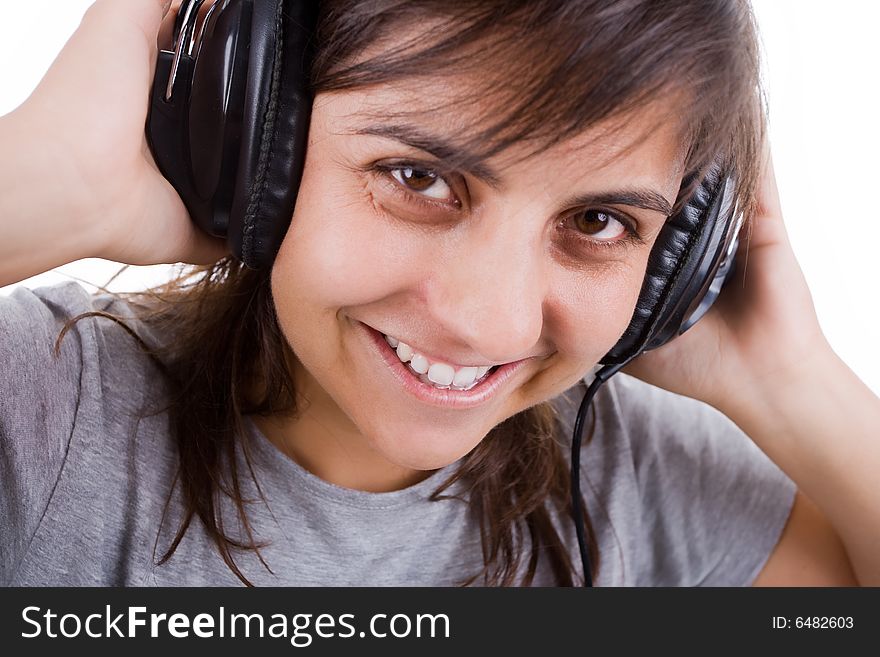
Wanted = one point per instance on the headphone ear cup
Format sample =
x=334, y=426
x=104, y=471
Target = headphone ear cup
x=275, y=115
x=682, y=267
x=231, y=136
x=195, y=133
x=214, y=122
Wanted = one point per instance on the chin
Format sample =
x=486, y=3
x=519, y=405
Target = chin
x=423, y=448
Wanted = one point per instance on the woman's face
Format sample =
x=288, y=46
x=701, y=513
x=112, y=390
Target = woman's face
x=527, y=264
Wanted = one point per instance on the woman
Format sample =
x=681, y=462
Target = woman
x=467, y=207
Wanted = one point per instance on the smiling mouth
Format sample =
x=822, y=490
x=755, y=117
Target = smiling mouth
x=440, y=375
x=438, y=388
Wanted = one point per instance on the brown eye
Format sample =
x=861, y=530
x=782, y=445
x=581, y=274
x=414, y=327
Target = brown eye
x=598, y=224
x=417, y=180
x=427, y=183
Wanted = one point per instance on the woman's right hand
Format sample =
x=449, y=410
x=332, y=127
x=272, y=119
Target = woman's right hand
x=85, y=123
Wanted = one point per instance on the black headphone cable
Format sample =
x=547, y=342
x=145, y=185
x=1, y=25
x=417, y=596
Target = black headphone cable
x=576, y=509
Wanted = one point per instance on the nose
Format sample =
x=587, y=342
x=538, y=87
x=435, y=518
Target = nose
x=486, y=294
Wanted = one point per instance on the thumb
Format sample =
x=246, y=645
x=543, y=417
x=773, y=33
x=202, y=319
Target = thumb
x=147, y=15
x=114, y=46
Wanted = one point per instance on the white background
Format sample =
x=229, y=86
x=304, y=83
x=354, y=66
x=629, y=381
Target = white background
x=821, y=63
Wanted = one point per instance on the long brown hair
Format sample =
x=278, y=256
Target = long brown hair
x=550, y=69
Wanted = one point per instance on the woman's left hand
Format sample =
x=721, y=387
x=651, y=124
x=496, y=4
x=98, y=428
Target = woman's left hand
x=761, y=332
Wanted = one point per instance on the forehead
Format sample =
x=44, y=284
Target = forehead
x=446, y=111
x=504, y=95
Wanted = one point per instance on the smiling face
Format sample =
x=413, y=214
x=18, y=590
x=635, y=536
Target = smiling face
x=530, y=265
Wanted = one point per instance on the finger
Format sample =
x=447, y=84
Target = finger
x=146, y=14
x=769, y=204
x=766, y=226
x=165, y=38
x=91, y=55
x=110, y=20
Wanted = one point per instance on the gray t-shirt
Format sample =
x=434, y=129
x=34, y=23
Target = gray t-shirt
x=677, y=494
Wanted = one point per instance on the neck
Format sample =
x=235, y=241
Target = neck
x=324, y=441
x=336, y=454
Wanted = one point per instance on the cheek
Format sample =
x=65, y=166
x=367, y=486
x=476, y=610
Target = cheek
x=336, y=253
x=593, y=314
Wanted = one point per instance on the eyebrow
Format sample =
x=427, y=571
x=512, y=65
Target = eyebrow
x=646, y=199
x=445, y=152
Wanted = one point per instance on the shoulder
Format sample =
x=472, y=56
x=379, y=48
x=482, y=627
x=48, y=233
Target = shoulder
x=659, y=445
x=32, y=315
x=69, y=416
x=651, y=423
x=687, y=496
x=71, y=357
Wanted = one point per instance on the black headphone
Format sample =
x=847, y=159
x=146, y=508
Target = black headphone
x=228, y=126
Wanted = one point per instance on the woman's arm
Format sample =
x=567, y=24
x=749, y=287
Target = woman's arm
x=44, y=219
x=76, y=176
x=760, y=357
x=821, y=425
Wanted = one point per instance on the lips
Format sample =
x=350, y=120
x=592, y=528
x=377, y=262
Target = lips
x=427, y=392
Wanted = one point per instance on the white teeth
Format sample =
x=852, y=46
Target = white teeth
x=440, y=375
x=420, y=364
x=404, y=352
x=465, y=376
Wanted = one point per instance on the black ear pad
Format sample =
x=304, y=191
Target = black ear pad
x=277, y=107
x=686, y=268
